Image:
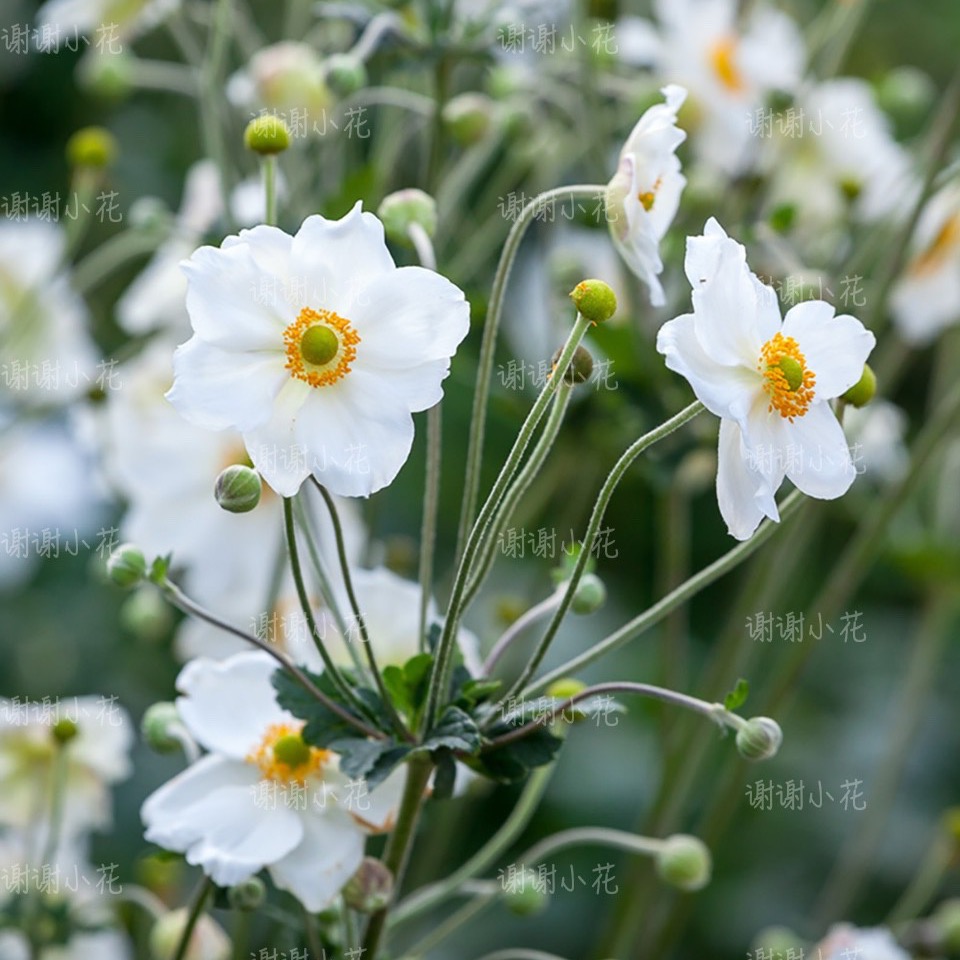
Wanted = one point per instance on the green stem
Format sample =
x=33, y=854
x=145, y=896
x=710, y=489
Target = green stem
x=396, y=855
x=270, y=189
x=440, y=674
x=518, y=628
x=593, y=527
x=211, y=96
x=491, y=328
x=203, y=890
x=640, y=624
x=110, y=256
x=939, y=857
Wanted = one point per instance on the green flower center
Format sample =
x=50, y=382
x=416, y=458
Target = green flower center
x=319, y=345
x=792, y=371
x=291, y=751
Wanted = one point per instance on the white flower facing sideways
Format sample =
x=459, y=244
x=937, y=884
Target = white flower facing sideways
x=318, y=349
x=261, y=797
x=768, y=379
x=643, y=195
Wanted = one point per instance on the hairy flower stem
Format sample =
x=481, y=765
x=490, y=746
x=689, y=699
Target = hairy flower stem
x=200, y=895
x=396, y=855
x=491, y=327
x=593, y=526
x=439, y=678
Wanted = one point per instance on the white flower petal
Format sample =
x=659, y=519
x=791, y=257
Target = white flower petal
x=822, y=467
x=377, y=810
x=275, y=447
x=743, y=494
x=328, y=855
x=228, y=706
x=835, y=348
x=217, y=389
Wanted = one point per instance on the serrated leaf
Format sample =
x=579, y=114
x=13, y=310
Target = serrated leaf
x=455, y=730
x=322, y=725
x=370, y=760
x=737, y=697
x=445, y=775
x=514, y=760
x=476, y=691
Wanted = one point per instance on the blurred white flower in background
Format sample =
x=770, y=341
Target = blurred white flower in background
x=876, y=434
x=123, y=19
x=868, y=943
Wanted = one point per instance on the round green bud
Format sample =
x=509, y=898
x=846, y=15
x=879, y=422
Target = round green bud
x=319, y=345
x=778, y=942
x=566, y=688
x=851, y=188
x=291, y=751
x=594, y=300
x=581, y=366
x=146, y=615
x=110, y=76
x=266, y=135
x=906, y=93
x=590, y=594
x=404, y=207
x=864, y=390
x=238, y=488
x=64, y=730
x=371, y=888
x=525, y=894
x=684, y=862
x=127, y=565
x=92, y=147
x=759, y=738
x=946, y=925
x=157, y=726
x=346, y=74
x=247, y=896
x=468, y=117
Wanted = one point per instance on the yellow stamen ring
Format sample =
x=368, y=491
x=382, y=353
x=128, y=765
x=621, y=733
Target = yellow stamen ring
x=321, y=346
x=787, y=380
x=283, y=756
x=723, y=59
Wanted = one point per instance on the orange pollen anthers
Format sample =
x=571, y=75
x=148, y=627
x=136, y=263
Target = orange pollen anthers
x=338, y=365
x=723, y=59
x=648, y=197
x=933, y=257
x=787, y=380
x=282, y=755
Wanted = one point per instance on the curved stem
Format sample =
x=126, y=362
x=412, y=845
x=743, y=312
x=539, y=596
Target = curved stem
x=204, y=889
x=491, y=327
x=518, y=627
x=593, y=527
x=97, y=265
x=184, y=603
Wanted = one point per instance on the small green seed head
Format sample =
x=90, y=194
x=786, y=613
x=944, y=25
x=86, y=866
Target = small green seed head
x=266, y=135
x=778, y=942
x=793, y=371
x=566, y=688
x=92, y=147
x=291, y=751
x=238, y=488
x=525, y=894
x=404, y=207
x=110, y=76
x=64, y=730
x=684, y=862
x=590, y=595
x=581, y=366
x=247, y=896
x=346, y=74
x=864, y=390
x=594, y=300
x=759, y=738
x=319, y=345
x=157, y=726
x=468, y=117
x=371, y=888
x=146, y=615
x=127, y=565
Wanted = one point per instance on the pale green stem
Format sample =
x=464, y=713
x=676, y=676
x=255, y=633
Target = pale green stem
x=270, y=189
x=640, y=624
x=204, y=889
x=451, y=924
x=110, y=256
x=165, y=76
x=593, y=527
x=374, y=32
x=939, y=858
x=391, y=97
x=211, y=98
x=488, y=344
x=487, y=554
x=440, y=675
x=517, y=629
x=485, y=857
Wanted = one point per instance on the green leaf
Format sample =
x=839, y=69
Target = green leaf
x=455, y=730
x=445, y=775
x=371, y=760
x=477, y=691
x=514, y=760
x=433, y=636
x=323, y=726
x=159, y=569
x=737, y=697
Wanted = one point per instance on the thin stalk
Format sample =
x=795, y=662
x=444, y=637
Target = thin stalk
x=451, y=924
x=518, y=628
x=211, y=96
x=203, y=890
x=593, y=526
x=112, y=254
x=488, y=343
x=270, y=189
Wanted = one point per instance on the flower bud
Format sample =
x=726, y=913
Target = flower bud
x=566, y=688
x=266, y=135
x=157, y=727
x=238, y=488
x=64, y=730
x=864, y=390
x=371, y=888
x=247, y=896
x=759, y=738
x=92, y=147
x=525, y=894
x=346, y=74
x=107, y=75
x=906, y=94
x=581, y=366
x=778, y=942
x=146, y=615
x=594, y=300
x=684, y=862
x=207, y=942
x=400, y=209
x=468, y=117
x=590, y=594
x=127, y=565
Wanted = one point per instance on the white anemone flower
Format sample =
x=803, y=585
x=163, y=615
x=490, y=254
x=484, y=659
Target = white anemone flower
x=643, y=196
x=876, y=434
x=768, y=379
x=261, y=797
x=32, y=749
x=125, y=19
x=926, y=297
x=729, y=69
x=318, y=349
x=46, y=353
x=869, y=943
